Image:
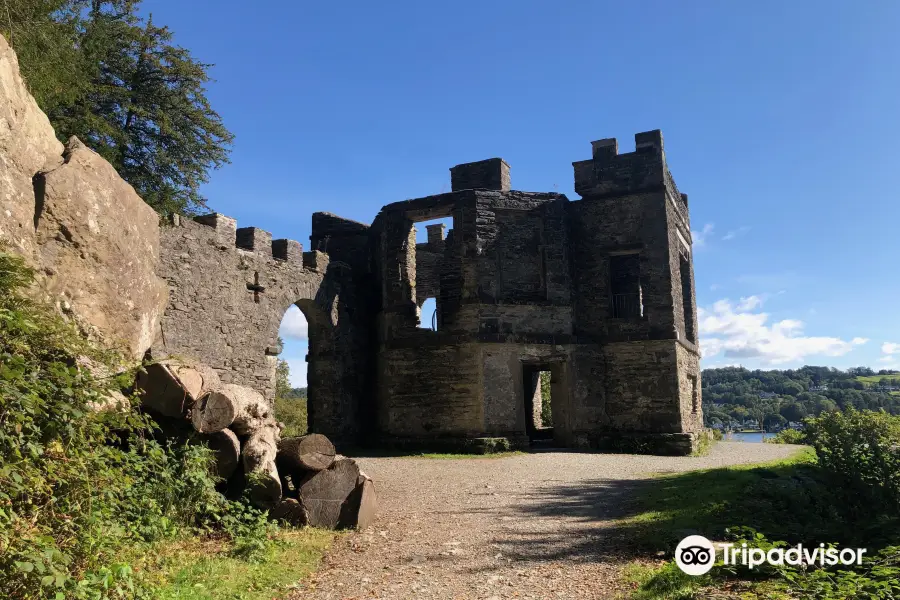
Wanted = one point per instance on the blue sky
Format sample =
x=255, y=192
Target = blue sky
x=780, y=122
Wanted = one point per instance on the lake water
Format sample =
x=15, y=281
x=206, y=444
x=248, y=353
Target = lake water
x=745, y=437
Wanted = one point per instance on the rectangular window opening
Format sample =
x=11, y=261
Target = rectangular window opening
x=625, y=285
x=695, y=396
x=430, y=238
x=687, y=298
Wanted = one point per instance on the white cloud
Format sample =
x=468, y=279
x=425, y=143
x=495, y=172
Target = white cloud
x=859, y=341
x=735, y=233
x=890, y=348
x=739, y=333
x=887, y=359
x=714, y=287
x=293, y=325
x=749, y=303
x=699, y=237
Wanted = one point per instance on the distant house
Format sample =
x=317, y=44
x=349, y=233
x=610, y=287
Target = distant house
x=767, y=395
x=819, y=388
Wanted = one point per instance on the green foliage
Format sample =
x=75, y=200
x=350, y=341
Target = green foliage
x=787, y=436
x=42, y=31
x=845, y=493
x=199, y=569
x=103, y=73
x=769, y=400
x=77, y=485
x=546, y=394
x=290, y=403
x=862, y=448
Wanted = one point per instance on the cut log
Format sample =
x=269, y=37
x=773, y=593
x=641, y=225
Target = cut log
x=323, y=493
x=162, y=392
x=313, y=452
x=259, y=464
x=197, y=379
x=227, y=448
x=290, y=510
x=213, y=412
x=242, y=409
x=358, y=510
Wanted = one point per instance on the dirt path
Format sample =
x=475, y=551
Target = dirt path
x=531, y=526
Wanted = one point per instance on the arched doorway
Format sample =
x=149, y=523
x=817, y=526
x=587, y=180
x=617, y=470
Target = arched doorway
x=311, y=399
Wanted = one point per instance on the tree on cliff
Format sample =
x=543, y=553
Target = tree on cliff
x=115, y=80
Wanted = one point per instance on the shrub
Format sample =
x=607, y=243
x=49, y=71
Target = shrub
x=787, y=436
x=862, y=449
x=78, y=486
x=292, y=412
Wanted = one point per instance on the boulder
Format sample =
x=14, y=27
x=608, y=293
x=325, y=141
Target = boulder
x=98, y=250
x=93, y=242
x=28, y=146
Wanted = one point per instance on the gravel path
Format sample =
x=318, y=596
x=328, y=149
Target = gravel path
x=531, y=526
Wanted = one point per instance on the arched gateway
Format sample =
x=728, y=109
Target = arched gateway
x=228, y=291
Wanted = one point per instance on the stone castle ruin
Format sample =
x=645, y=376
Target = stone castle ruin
x=598, y=292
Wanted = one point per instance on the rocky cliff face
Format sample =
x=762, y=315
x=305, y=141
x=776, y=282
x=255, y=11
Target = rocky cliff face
x=92, y=240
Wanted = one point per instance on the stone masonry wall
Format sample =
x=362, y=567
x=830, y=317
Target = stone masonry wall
x=229, y=289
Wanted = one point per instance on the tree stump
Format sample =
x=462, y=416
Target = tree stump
x=358, y=510
x=259, y=464
x=242, y=409
x=227, y=450
x=323, y=493
x=290, y=510
x=162, y=392
x=313, y=452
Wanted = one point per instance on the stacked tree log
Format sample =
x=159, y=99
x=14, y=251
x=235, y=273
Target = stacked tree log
x=300, y=480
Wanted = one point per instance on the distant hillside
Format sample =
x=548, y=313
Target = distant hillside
x=734, y=397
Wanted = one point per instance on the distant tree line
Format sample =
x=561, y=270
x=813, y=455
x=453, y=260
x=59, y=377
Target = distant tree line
x=734, y=397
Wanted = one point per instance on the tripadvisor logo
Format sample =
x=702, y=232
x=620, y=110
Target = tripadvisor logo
x=695, y=555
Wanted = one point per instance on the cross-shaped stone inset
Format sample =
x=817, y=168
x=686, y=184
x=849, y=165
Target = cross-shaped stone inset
x=255, y=287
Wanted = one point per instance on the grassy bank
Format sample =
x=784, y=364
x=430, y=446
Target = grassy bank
x=92, y=506
x=209, y=569
x=805, y=499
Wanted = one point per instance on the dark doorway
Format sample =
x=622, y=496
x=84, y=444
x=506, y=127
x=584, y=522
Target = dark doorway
x=537, y=381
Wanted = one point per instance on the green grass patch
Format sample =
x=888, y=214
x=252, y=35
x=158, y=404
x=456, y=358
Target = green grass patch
x=207, y=569
x=791, y=500
x=794, y=500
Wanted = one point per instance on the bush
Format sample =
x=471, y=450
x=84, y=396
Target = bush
x=787, y=436
x=862, y=449
x=292, y=412
x=78, y=486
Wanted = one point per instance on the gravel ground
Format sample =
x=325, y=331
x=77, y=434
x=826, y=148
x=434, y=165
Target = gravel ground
x=536, y=526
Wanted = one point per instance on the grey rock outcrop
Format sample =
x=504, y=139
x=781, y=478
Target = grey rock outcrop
x=91, y=239
x=27, y=146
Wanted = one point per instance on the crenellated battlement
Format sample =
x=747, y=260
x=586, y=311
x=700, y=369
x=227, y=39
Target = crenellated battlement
x=610, y=173
x=251, y=239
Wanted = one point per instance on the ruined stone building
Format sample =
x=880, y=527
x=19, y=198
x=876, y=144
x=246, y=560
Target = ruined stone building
x=598, y=291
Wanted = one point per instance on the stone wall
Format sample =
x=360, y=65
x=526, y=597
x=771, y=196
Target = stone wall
x=530, y=280
x=229, y=289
